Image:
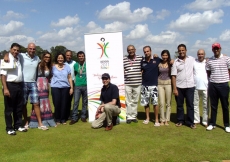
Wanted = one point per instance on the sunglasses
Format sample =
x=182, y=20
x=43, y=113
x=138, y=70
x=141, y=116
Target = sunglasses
x=104, y=78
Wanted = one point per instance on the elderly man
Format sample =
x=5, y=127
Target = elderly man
x=70, y=62
x=13, y=93
x=133, y=78
x=201, y=88
x=110, y=104
x=183, y=86
x=218, y=68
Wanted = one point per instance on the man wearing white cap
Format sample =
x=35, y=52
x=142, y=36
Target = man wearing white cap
x=218, y=68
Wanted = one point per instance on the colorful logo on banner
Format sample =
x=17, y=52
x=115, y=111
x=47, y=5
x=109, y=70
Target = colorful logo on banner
x=103, y=46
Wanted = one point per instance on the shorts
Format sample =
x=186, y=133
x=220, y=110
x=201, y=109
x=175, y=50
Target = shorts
x=146, y=93
x=30, y=90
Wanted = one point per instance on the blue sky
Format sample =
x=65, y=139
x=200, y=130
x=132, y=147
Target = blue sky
x=161, y=24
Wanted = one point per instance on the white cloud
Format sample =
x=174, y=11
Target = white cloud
x=12, y=15
x=168, y=37
x=202, y=5
x=67, y=21
x=112, y=27
x=196, y=22
x=11, y=28
x=33, y=10
x=140, y=31
x=121, y=12
x=225, y=35
x=162, y=14
x=5, y=42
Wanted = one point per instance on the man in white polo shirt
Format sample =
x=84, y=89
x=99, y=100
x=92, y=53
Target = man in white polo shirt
x=218, y=68
x=70, y=62
x=13, y=93
x=201, y=88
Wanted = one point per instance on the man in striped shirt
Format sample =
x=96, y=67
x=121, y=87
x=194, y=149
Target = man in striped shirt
x=133, y=79
x=218, y=68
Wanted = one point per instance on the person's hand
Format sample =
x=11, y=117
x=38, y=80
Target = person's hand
x=6, y=92
x=171, y=62
x=175, y=92
x=6, y=57
x=71, y=91
x=155, y=55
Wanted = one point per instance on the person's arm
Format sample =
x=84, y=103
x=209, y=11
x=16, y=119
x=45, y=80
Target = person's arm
x=5, y=88
x=175, y=92
x=71, y=84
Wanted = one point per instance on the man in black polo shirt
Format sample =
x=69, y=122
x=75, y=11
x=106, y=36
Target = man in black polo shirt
x=110, y=104
x=149, y=91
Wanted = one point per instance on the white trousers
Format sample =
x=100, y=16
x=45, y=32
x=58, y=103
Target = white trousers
x=132, y=93
x=205, y=104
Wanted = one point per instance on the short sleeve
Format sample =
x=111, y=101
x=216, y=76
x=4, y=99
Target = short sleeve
x=115, y=94
x=207, y=67
x=228, y=62
x=3, y=72
x=75, y=67
x=173, y=69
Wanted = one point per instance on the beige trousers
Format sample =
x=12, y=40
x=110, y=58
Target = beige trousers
x=109, y=112
x=132, y=93
x=165, y=95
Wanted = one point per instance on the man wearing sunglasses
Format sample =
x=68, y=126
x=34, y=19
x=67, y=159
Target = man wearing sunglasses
x=110, y=104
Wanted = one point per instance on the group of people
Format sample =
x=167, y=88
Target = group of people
x=186, y=77
x=149, y=77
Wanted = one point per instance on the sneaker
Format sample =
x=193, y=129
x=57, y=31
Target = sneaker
x=43, y=127
x=11, y=132
x=227, y=129
x=210, y=127
x=134, y=120
x=72, y=122
x=157, y=124
x=20, y=129
x=128, y=121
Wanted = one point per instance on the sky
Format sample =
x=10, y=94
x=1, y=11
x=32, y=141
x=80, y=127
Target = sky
x=161, y=24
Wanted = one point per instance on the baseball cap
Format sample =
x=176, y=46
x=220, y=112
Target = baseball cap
x=216, y=45
x=105, y=75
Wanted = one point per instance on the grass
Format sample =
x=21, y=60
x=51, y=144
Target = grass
x=134, y=142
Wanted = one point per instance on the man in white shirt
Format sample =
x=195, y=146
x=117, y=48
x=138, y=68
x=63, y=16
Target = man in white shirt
x=70, y=62
x=201, y=87
x=13, y=92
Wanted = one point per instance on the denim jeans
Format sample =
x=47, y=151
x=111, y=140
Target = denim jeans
x=78, y=92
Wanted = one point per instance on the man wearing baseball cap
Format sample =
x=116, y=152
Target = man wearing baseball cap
x=218, y=68
x=110, y=104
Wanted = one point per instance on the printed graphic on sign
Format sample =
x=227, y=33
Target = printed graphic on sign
x=103, y=47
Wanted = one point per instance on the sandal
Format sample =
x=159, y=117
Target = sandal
x=178, y=124
x=162, y=123
x=166, y=123
x=43, y=127
x=146, y=122
x=26, y=127
x=157, y=124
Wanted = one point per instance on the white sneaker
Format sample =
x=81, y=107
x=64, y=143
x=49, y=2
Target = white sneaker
x=11, y=132
x=20, y=129
x=210, y=127
x=227, y=129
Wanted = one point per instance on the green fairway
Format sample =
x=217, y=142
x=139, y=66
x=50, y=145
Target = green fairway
x=134, y=142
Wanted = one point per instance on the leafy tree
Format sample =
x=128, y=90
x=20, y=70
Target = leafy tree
x=58, y=49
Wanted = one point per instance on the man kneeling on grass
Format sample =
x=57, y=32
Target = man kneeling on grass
x=110, y=104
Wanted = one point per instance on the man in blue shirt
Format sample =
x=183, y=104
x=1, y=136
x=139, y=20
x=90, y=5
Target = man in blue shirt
x=149, y=91
x=110, y=104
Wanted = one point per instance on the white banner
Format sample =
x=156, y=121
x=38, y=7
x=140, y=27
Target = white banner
x=104, y=54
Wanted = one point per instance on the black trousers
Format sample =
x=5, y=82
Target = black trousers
x=188, y=95
x=219, y=91
x=13, y=106
x=60, y=99
x=69, y=104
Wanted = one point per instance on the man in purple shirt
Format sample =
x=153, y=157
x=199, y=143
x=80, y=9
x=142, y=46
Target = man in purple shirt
x=183, y=86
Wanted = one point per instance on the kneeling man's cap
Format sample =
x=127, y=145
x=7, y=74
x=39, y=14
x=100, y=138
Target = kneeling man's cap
x=105, y=75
